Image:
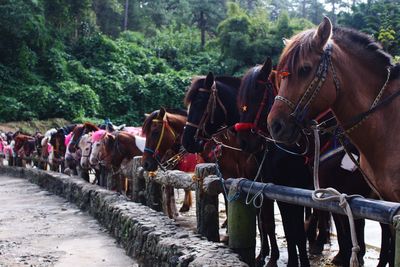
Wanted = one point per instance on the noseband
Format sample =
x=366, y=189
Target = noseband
x=209, y=113
x=300, y=110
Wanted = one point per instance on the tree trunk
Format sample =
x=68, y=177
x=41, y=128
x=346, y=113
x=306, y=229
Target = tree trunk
x=203, y=29
x=126, y=15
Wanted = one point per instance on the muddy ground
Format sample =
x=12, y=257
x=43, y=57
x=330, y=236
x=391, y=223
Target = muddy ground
x=41, y=229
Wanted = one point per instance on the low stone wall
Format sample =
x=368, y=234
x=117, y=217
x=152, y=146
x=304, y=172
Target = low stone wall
x=148, y=236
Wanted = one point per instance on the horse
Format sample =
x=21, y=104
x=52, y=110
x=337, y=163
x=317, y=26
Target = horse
x=252, y=131
x=3, y=144
x=57, y=140
x=163, y=130
x=211, y=103
x=24, y=147
x=73, y=154
x=115, y=151
x=41, y=164
x=349, y=72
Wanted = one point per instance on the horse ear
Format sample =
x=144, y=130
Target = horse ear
x=323, y=34
x=209, y=80
x=162, y=112
x=285, y=41
x=266, y=69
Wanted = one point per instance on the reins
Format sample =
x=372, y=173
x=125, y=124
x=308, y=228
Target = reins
x=209, y=113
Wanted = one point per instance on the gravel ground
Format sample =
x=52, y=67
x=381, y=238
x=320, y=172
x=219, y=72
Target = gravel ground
x=41, y=229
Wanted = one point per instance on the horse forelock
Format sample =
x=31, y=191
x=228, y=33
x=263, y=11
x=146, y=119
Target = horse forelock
x=296, y=50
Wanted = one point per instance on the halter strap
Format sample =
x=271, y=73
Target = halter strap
x=165, y=124
x=299, y=110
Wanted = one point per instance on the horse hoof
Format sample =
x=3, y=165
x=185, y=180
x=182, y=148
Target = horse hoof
x=272, y=263
x=225, y=239
x=316, y=248
x=260, y=261
x=337, y=260
x=184, y=208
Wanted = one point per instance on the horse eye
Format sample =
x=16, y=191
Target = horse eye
x=304, y=71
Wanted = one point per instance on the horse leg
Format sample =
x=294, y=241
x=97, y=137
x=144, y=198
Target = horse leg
x=266, y=225
x=187, y=202
x=293, y=224
x=323, y=225
x=167, y=200
x=225, y=223
x=386, y=253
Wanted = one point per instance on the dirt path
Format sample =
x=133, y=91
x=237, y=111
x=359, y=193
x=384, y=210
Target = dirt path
x=41, y=229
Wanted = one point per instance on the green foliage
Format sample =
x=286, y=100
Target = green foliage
x=75, y=59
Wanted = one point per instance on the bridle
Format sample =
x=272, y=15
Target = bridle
x=300, y=109
x=209, y=113
x=165, y=126
x=254, y=126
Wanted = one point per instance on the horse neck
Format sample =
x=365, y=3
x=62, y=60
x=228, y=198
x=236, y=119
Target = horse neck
x=177, y=123
x=124, y=148
x=377, y=137
x=228, y=98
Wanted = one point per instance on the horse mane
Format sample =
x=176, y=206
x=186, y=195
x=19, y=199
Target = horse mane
x=355, y=42
x=249, y=82
x=395, y=72
x=90, y=127
x=198, y=82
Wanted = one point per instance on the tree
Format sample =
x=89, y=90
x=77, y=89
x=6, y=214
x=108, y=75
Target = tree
x=207, y=14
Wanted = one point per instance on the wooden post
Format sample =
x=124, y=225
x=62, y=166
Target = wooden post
x=242, y=230
x=206, y=204
x=138, y=181
x=154, y=195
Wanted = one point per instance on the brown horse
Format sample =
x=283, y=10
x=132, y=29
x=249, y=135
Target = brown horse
x=24, y=146
x=116, y=151
x=163, y=130
x=348, y=72
x=259, y=80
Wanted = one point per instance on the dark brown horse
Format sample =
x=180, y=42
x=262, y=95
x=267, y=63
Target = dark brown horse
x=259, y=81
x=163, y=130
x=349, y=72
x=212, y=105
x=57, y=140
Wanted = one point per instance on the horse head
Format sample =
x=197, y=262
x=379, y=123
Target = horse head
x=305, y=71
x=162, y=130
x=211, y=105
x=255, y=98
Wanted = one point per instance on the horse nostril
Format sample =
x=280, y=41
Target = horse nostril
x=277, y=127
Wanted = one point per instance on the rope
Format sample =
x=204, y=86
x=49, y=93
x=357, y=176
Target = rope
x=259, y=193
x=331, y=194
